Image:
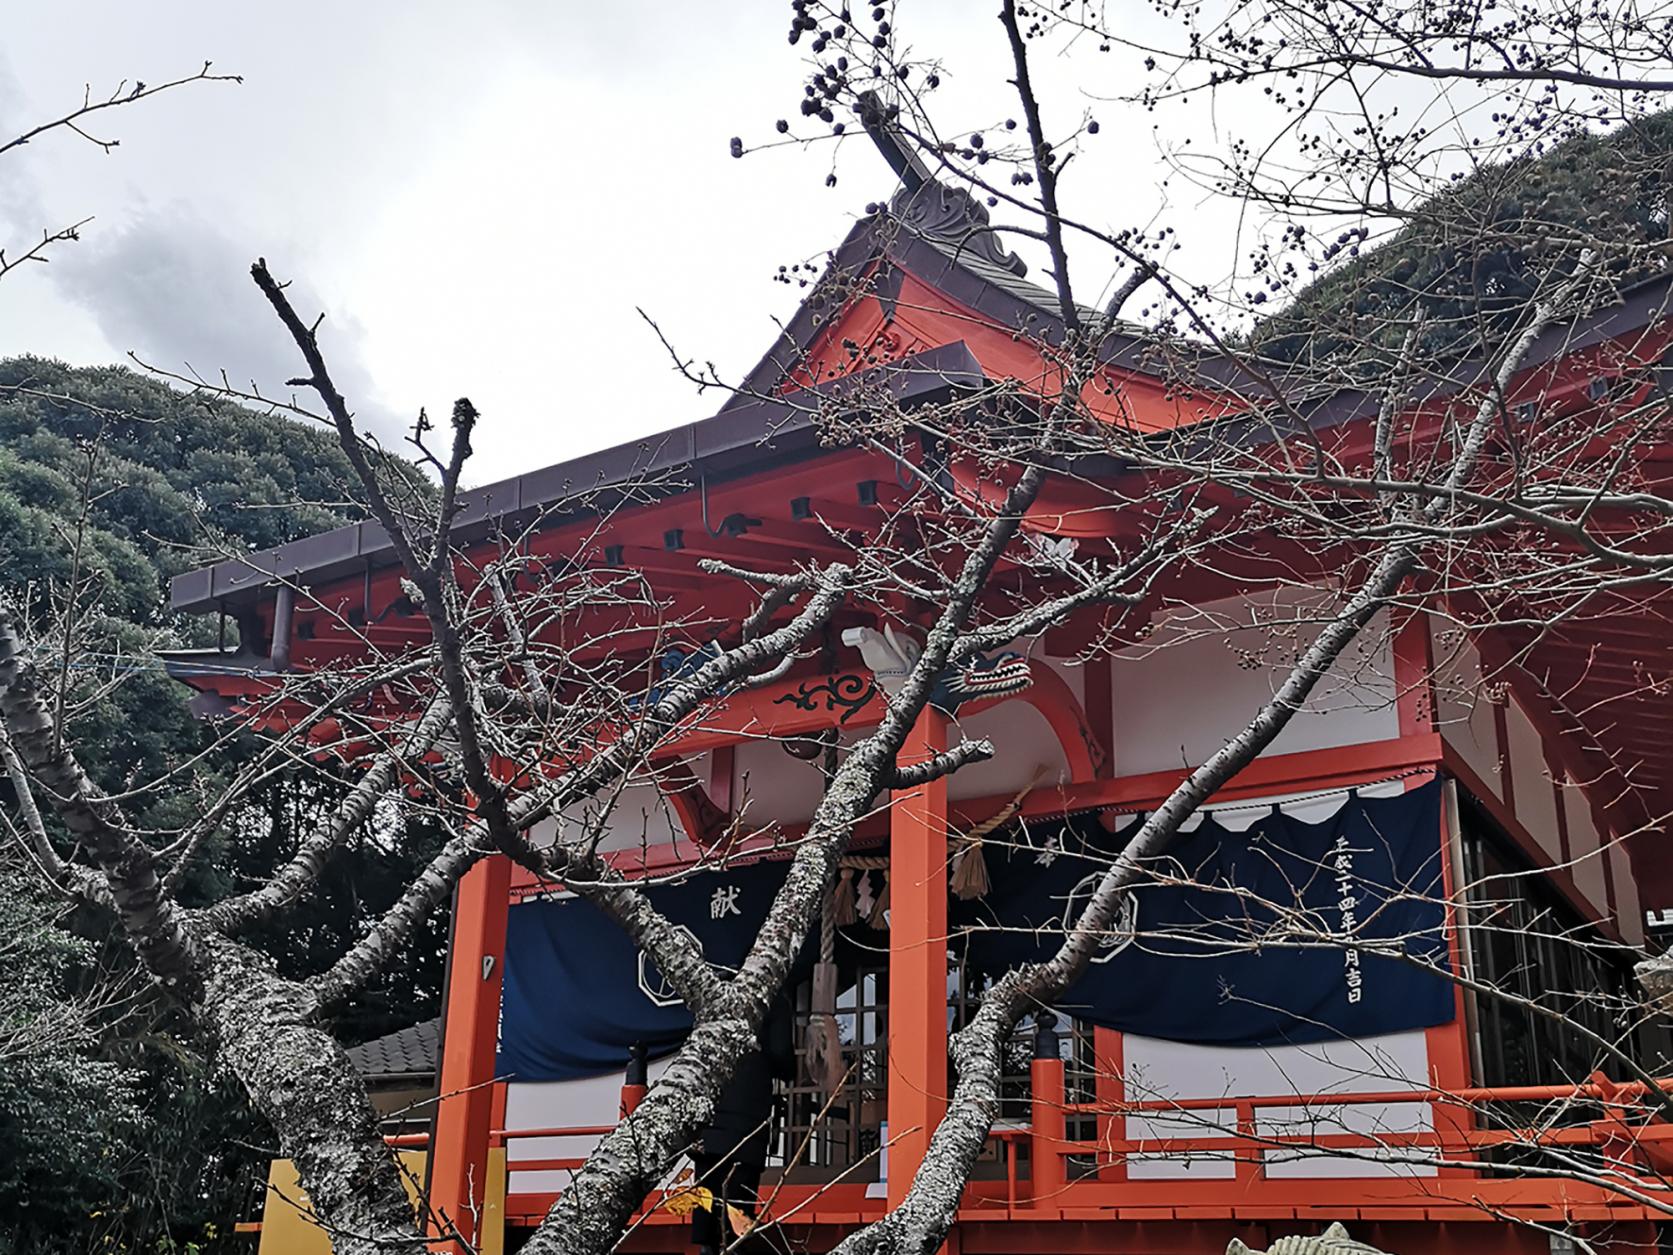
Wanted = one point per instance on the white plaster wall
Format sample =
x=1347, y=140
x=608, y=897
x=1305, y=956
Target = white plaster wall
x=1534, y=800
x=775, y=787
x=1467, y=722
x=1629, y=909
x=1210, y=1123
x=1462, y=709
x=1023, y=743
x=640, y=816
x=592, y=1102
x=1585, y=847
x=1390, y=1063
x=1194, y=683
x=783, y=789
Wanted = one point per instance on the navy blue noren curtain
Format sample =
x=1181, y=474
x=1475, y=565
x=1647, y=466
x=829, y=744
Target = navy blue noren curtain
x=1202, y=954
x=576, y=993
x=1203, y=961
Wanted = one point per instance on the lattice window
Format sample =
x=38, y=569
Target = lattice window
x=824, y=1138
x=1524, y=939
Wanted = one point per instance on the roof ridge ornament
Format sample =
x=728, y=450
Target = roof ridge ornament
x=923, y=203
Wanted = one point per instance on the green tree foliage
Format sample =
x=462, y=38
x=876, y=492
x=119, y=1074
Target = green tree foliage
x=119, y=1136
x=1470, y=259
x=66, y=1114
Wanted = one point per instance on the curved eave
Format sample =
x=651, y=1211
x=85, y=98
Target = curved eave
x=740, y=439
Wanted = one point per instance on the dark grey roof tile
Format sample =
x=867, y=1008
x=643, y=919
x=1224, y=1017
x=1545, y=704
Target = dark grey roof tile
x=407, y=1052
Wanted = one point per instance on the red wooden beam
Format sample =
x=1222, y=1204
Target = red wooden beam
x=700, y=816
x=1307, y=771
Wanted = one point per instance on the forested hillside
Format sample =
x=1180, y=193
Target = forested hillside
x=1475, y=253
x=111, y=1124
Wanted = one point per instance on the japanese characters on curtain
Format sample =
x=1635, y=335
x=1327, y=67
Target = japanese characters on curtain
x=1236, y=938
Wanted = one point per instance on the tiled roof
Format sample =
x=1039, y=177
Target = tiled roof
x=409, y=1052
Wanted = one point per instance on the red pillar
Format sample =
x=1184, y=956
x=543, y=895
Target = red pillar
x=635, y=1083
x=917, y=959
x=470, y=1039
x=1414, y=674
x=1109, y=1050
x=1047, y=1171
x=1449, y=1044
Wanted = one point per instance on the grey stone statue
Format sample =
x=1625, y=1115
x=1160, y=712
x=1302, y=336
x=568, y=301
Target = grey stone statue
x=1333, y=1241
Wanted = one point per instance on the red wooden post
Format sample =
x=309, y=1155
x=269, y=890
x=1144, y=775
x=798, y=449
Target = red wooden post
x=1098, y=675
x=917, y=959
x=635, y=1082
x=1448, y=1044
x=1110, y=1082
x=465, y=1111
x=722, y=761
x=1047, y=1171
x=1414, y=675
x=1249, y=1165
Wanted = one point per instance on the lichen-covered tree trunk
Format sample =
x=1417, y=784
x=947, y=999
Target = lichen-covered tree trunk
x=263, y=1027
x=302, y=1081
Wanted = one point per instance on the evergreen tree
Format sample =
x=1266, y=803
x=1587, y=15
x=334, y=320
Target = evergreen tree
x=1471, y=258
x=118, y=1136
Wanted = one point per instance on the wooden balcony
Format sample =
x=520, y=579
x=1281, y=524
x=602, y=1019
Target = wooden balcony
x=1051, y=1178
x=1619, y=1174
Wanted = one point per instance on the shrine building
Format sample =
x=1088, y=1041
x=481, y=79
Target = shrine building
x=1179, y=1095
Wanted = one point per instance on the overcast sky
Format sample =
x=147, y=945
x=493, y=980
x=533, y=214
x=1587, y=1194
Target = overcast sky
x=478, y=195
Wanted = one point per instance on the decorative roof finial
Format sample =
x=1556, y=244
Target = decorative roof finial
x=951, y=215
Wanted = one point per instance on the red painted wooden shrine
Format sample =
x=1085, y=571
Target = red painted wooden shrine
x=1560, y=750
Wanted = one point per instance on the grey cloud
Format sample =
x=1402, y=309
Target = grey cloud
x=176, y=290
x=20, y=200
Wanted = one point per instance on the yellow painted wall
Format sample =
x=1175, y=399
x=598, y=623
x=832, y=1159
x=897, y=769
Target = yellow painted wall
x=288, y=1226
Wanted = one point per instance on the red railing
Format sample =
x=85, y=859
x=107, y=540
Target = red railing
x=1629, y=1133
x=633, y=1093
x=634, y=1088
